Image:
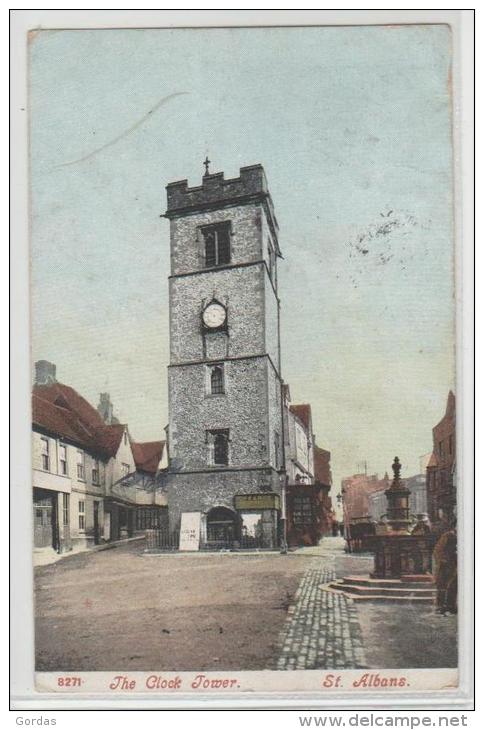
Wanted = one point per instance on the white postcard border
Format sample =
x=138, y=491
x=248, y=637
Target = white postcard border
x=24, y=695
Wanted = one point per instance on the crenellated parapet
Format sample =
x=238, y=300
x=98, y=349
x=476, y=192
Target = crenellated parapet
x=216, y=192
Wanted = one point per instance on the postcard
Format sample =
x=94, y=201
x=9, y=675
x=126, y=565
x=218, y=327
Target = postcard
x=243, y=337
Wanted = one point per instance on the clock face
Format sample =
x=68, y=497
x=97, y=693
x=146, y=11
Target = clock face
x=214, y=315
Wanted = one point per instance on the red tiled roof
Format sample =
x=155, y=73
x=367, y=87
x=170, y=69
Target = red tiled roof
x=147, y=455
x=450, y=408
x=108, y=437
x=59, y=409
x=303, y=412
x=67, y=397
x=322, y=468
x=449, y=415
x=60, y=421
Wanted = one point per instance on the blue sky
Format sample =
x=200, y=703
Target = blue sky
x=353, y=128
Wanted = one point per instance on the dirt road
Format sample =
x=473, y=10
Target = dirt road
x=120, y=609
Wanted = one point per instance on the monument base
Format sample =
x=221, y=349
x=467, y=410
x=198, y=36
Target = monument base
x=400, y=554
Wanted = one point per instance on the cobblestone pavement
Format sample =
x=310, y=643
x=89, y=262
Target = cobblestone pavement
x=322, y=630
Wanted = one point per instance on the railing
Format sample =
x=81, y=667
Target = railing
x=165, y=541
x=162, y=540
x=243, y=543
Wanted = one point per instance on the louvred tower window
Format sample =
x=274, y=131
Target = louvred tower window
x=217, y=244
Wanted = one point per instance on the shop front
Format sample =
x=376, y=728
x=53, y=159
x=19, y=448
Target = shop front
x=259, y=519
x=119, y=519
x=51, y=511
x=305, y=514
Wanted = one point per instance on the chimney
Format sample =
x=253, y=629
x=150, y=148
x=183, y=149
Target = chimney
x=44, y=372
x=105, y=408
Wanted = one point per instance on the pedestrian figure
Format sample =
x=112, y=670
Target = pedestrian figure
x=445, y=571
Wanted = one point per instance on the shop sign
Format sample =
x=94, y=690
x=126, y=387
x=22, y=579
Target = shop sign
x=258, y=501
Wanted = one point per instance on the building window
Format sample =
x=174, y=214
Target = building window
x=148, y=519
x=217, y=244
x=81, y=472
x=63, y=459
x=44, y=442
x=451, y=444
x=218, y=443
x=125, y=470
x=217, y=380
x=65, y=509
x=441, y=448
x=95, y=472
x=302, y=512
x=82, y=514
x=125, y=437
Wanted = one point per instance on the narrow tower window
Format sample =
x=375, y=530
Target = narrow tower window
x=217, y=380
x=221, y=449
x=218, y=447
x=217, y=244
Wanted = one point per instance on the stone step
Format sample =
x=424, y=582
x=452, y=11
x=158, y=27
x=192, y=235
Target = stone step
x=397, y=591
x=419, y=600
x=426, y=578
x=387, y=583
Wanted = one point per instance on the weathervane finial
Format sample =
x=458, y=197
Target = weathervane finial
x=206, y=163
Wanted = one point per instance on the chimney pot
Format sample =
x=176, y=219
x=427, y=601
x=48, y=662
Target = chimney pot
x=44, y=372
x=105, y=408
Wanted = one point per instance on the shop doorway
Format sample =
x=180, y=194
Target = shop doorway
x=96, y=523
x=223, y=527
x=45, y=519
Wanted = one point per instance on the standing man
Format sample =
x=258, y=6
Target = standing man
x=445, y=571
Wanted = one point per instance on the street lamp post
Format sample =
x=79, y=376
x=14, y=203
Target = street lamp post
x=346, y=526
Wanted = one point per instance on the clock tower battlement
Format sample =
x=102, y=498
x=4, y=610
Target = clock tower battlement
x=215, y=191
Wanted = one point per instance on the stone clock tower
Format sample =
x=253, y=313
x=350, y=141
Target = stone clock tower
x=224, y=379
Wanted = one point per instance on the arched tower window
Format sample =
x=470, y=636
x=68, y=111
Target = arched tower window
x=217, y=380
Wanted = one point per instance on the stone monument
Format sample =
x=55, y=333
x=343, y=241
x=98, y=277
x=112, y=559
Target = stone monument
x=402, y=548
x=403, y=555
